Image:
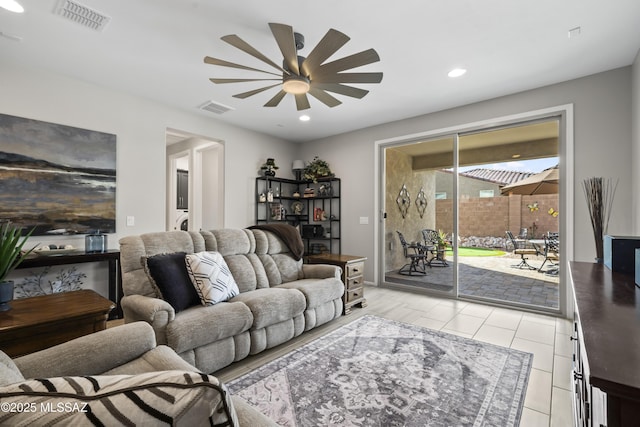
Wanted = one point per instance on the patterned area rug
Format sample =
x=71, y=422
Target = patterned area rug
x=378, y=372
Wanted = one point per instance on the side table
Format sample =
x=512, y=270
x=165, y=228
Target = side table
x=40, y=322
x=352, y=276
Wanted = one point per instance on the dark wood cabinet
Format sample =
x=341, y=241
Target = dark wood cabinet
x=313, y=207
x=606, y=356
x=182, y=190
x=41, y=322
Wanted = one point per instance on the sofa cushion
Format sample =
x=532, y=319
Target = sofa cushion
x=168, y=274
x=198, y=326
x=211, y=277
x=9, y=372
x=167, y=397
x=317, y=291
x=273, y=305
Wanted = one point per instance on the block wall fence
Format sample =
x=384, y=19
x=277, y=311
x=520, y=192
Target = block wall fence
x=492, y=216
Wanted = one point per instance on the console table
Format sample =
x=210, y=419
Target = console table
x=41, y=322
x=352, y=276
x=44, y=259
x=606, y=359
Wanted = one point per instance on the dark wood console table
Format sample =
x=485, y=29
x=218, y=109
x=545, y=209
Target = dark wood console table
x=41, y=322
x=606, y=364
x=43, y=259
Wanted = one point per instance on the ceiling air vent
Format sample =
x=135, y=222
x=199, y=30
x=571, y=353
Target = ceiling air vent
x=81, y=14
x=215, y=107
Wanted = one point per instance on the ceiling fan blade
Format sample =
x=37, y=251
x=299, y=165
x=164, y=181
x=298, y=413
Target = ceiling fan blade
x=287, y=44
x=273, y=102
x=237, y=42
x=223, y=63
x=350, y=78
x=351, y=91
x=222, y=81
x=302, y=102
x=330, y=43
x=254, y=92
x=352, y=61
x=324, y=97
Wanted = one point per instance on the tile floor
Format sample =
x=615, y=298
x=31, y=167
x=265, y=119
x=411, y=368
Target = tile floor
x=548, y=398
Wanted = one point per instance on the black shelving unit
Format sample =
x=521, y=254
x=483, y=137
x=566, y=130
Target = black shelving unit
x=319, y=220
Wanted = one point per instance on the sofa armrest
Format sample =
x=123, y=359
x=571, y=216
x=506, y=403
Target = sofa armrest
x=91, y=354
x=156, y=312
x=321, y=271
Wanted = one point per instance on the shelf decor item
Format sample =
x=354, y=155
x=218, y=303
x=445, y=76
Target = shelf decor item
x=269, y=167
x=317, y=168
x=599, y=193
x=298, y=167
x=11, y=255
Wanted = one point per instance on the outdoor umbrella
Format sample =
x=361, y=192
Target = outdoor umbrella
x=545, y=182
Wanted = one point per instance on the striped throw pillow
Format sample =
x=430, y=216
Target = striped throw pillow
x=175, y=398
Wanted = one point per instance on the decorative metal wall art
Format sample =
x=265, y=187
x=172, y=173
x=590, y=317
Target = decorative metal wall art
x=403, y=201
x=421, y=202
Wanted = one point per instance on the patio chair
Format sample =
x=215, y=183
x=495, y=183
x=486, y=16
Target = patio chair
x=416, y=254
x=520, y=247
x=430, y=238
x=551, y=250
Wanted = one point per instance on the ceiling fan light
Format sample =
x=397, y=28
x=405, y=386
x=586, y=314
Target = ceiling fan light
x=296, y=85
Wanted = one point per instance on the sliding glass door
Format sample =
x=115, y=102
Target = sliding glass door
x=420, y=214
x=454, y=202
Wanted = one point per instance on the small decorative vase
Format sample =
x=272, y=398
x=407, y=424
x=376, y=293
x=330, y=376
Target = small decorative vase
x=6, y=295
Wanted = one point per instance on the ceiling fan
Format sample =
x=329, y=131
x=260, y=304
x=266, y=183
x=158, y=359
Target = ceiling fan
x=301, y=76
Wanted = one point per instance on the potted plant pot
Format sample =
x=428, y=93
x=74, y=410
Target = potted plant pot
x=6, y=295
x=11, y=255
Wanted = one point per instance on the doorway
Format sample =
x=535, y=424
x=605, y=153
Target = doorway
x=457, y=202
x=195, y=182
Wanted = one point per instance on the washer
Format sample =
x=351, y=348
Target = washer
x=182, y=220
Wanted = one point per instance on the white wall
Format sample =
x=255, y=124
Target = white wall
x=635, y=135
x=602, y=145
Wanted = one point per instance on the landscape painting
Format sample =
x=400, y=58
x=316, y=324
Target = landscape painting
x=56, y=179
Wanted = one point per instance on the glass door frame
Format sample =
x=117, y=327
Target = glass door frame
x=564, y=115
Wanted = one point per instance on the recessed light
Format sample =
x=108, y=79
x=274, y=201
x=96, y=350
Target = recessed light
x=305, y=118
x=457, y=72
x=515, y=156
x=11, y=6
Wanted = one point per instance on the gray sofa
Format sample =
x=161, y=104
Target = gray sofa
x=113, y=377
x=280, y=297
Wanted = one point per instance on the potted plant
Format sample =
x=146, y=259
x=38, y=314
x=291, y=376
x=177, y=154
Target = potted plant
x=269, y=167
x=11, y=255
x=317, y=168
x=442, y=243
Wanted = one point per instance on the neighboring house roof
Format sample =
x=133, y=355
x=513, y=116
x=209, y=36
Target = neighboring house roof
x=500, y=177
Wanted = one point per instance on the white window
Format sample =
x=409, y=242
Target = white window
x=441, y=195
x=486, y=193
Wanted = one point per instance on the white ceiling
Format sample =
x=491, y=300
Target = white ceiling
x=155, y=49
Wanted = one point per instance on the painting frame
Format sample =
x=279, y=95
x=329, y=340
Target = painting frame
x=56, y=179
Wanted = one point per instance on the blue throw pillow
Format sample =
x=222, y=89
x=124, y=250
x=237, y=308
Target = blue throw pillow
x=168, y=275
